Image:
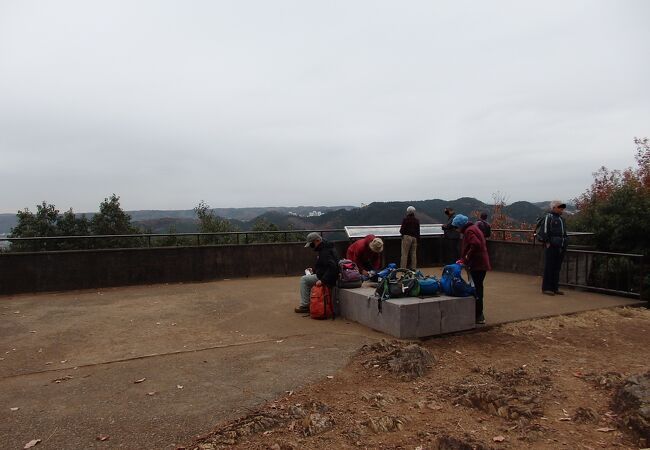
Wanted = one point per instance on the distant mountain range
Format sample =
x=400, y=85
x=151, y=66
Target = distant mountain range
x=319, y=217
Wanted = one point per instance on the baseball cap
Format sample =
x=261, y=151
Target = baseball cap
x=311, y=237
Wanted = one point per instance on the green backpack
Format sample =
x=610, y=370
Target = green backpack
x=398, y=283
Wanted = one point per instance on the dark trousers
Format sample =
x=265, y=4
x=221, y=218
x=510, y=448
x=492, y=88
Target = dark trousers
x=478, y=276
x=450, y=250
x=553, y=257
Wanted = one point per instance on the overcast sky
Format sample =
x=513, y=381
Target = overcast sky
x=284, y=103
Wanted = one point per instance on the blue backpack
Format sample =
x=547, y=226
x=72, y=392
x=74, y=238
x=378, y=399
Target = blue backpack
x=428, y=285
x=452, y=282
x=387, y=270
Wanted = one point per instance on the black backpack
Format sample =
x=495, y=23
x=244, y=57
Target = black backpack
x=540, y=233
x=485, y=228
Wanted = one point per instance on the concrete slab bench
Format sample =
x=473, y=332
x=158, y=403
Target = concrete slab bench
x=411, y=317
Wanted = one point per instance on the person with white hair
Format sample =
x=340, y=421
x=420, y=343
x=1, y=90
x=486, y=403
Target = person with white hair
x=410, y=231
x=553, y=235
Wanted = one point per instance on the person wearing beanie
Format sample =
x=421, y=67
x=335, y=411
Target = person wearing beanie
x=475, y=256
x=450, y=247
x=325, y=271
x=366, y=254
x=410, y=231
x=553, y=235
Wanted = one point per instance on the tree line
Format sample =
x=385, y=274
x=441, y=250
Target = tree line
x=113, y=224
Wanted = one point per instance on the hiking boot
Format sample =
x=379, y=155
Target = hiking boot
x=548, y=292
x=301, y=309
x=559, y=292
x=480, y=319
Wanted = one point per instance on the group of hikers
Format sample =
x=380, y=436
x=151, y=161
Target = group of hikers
x=464, y=242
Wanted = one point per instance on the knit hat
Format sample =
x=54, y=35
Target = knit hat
x=459, y=221
x=410, y=210
x=376, y=245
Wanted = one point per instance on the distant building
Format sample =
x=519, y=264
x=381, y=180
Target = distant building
x=315, y=214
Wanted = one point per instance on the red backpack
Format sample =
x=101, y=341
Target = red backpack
x=320, y=303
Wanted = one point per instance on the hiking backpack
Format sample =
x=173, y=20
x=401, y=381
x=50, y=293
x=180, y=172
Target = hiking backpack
x=320, y=302
x=349, y=274
x=398, y=283
x=452, y=282
x=485, y=227
x=429, y=285
x=540, y=232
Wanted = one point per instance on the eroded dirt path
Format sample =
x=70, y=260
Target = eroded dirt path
x=544, y=384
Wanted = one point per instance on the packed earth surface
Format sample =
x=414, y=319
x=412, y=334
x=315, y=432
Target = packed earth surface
x=575, y=382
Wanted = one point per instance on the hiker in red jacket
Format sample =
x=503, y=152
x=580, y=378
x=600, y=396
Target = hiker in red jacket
x=366, y=253
x=474, y=255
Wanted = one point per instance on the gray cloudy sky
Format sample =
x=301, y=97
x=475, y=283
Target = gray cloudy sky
x=260, y=103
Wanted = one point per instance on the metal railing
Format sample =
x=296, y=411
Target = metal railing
x=612, y=273
x=57, y=243
x=527, y=235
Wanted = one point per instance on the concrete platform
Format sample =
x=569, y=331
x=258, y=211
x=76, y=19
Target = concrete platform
x=411, y=317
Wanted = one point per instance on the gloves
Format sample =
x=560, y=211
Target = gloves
x=461, y=261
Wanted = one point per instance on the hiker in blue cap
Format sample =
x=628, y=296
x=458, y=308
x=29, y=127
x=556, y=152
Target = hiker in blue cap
x=474, y=255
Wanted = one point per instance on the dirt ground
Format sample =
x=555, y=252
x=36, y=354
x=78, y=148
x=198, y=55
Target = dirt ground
x=543, y=384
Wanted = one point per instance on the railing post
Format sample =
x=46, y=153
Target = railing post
x=198, y=240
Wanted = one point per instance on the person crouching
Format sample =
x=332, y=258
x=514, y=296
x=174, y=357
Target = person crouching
x=366, y=254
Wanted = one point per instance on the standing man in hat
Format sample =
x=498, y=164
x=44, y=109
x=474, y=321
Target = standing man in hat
x=410, y=231
x=553, y=235
x=325, y=271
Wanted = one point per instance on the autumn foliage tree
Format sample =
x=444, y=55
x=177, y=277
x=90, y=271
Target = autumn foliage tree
x=616, y=208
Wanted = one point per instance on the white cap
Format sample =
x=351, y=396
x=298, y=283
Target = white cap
x=410, y=210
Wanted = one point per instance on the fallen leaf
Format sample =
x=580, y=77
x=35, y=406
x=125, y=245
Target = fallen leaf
x=280, y=341
x=14, y=409
x=32, y=443
x=33, y=331
x=498, y=439
x=330, y=377
x=18, y=312
x=64, y=361
x=139, y=381
x=578, y=374
x=460, y=353
x=151, y=393
x=103, y=437
x=564, y=419
x=179, y=386
x=605, y=430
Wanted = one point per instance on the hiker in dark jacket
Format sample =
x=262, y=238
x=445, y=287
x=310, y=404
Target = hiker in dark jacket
x=410, y=231
x=484, y=225
x=451, y=243
x=366, y=254
x=475, y=256
x=325, y=271
x=554, y=236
